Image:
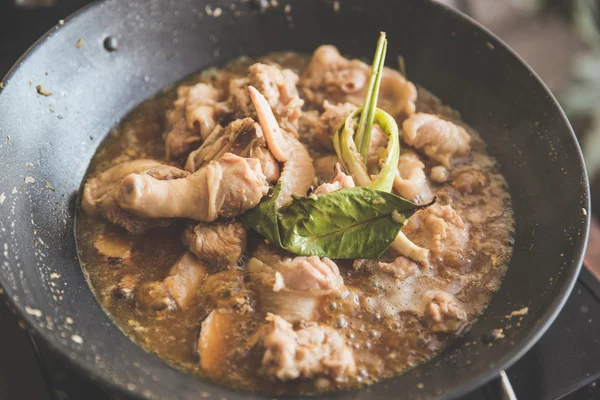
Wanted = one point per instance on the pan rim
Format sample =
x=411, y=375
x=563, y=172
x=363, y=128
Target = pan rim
x=544, y=321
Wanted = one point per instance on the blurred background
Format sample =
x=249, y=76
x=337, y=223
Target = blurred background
x=560, y=39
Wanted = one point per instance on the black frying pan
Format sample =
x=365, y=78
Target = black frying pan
x=51, y=139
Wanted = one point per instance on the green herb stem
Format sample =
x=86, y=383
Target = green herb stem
x=365, y=124
x=347, y=151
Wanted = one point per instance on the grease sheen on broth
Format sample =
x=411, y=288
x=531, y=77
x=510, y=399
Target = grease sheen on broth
x=382, y=320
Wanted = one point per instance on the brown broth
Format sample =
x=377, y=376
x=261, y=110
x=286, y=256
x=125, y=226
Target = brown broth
x=387, y=335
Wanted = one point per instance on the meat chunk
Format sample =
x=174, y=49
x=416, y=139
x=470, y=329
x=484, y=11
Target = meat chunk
x=154, y=296
x=441, y=230
x=242, y=137
x=439, y=174
x=184, y=279
x=235, y=137
x=310, y=273
x=279, y=88
x=316, y=350
x=223, y=188
x=298, y=172
x=192, y=118
x=329, y=76
x=339, y=181
x=268, y=163
x=201, y=108
x=214, y=341
x=292, y=287
x=307, y=125
x=471, y=181
x=439, y=139
x=178, y=139
x=410, y=181
x=100, y=193
x=444, y=313
x=400, y=268
x=217, y=243
x=333, y=116
x=178, y=289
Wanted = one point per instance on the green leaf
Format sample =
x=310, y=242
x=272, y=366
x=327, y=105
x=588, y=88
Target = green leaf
x=347, y=223
x=263, y=218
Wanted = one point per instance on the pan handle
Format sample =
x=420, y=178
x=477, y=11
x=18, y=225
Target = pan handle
x=507, y=391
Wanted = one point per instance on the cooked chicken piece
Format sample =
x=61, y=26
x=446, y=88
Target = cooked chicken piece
x=444, y=313
x=410, y=181
x=314, y=350
x=471, y=181
x=293, y=287
x=331, y=119
x=200, y=112
x=276, y=139
x=242, y=137
x=329, y=76
x=100, y=193
x=325, y=167
x=268, y=163
x=310, y=273
x=298, y=172
x=223, y=188
x=441, y=230
x=439, y=174
x=112, y=246
x=439, y=139
x=184, y=279
x=214, y=341
x=95, y=188
x=192, y=118
x=218, y=243
x=178, y=139
x=307, y=124
x=238, y=134
x=154, y=296
x=401, y=268
x=178, y=289
x=339, y=181
x=296, y=272
x=279, y=88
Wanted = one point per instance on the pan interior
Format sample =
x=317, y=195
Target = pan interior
x=92, y=89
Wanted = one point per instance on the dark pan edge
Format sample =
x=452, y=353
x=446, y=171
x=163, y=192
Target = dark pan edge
x=559, y=301
x=32, y=326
